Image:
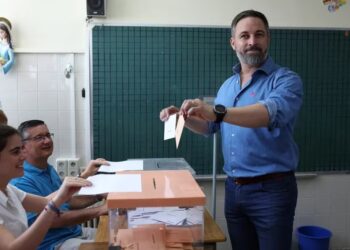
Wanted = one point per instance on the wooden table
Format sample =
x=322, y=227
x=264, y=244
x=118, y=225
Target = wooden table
x=212, y=234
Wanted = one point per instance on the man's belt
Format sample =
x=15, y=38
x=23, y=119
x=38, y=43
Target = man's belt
x=261, y=178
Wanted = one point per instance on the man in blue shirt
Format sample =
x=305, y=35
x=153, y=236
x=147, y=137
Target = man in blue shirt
x=40, y=178
x=255, y=110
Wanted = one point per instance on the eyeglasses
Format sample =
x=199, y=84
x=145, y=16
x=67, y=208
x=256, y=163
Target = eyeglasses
x=39, y=138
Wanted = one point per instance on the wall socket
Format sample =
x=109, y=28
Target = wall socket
x=73, y=166
x=62, y=167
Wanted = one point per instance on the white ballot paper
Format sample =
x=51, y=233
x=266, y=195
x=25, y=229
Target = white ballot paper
x=170, y=127
x=122, y=166
x=107, y=183
x=173, y=128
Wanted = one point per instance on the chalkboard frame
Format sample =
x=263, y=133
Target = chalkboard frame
x=320, y=57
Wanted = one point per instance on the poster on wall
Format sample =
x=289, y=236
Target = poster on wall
x=6, y=49
x=334, y=5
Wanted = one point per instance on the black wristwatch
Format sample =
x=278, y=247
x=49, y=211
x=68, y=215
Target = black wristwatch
x=220, y=112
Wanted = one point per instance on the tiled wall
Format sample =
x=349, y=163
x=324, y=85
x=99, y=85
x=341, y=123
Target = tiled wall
x=36, y=88
x=82, y=108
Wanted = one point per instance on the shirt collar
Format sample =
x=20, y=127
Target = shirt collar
x=267, y=67
x=4, y=198
x=33, y=169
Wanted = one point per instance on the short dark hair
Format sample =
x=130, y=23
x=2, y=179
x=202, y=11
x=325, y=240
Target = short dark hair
x=249, y=13
x=22, y=128
x=5, y=132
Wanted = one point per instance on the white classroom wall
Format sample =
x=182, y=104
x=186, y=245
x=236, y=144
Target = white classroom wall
x=49, y=34
x=59, y=25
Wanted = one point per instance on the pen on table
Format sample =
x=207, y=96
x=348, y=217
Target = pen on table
x=101, y=172
x=154, y=184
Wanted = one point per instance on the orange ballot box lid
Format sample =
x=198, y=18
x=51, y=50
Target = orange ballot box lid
x=160, y=188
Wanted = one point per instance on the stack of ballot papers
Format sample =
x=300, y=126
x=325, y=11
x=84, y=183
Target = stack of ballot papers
x=107, y=183
x=165, y=215
x=121, y=166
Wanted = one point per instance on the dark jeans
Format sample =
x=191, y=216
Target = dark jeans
x=260, y=216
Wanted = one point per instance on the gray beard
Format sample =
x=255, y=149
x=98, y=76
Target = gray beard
x=253, y=60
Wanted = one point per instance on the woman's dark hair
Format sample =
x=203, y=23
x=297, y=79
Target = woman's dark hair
x=5, y=132
x=4, y=28
x=249, y=13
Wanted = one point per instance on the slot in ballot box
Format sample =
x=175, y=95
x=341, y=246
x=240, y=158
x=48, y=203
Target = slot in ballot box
x=168, y=213
x=166, y=164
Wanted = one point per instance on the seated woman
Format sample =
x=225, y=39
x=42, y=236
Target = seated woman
x=14, y=231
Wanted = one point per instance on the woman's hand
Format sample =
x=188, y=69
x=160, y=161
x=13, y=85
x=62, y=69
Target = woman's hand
x=70, y=186
x=103, y=209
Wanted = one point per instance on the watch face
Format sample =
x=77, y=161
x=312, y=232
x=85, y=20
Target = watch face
x=220, y=108
x=220, y=112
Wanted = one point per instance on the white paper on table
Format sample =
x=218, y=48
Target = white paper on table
x=170, y=127
x=122, y=166
x=107, y=183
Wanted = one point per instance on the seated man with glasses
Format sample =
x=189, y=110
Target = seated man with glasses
x=40, y=178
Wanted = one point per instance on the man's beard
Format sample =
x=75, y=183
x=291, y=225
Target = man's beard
x=255, y=59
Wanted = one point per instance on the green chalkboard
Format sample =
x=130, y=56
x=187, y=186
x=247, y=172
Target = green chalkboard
x=136, y=71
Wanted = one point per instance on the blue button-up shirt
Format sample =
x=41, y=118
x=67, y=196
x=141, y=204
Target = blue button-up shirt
x=43, y=182
x=252, y=152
